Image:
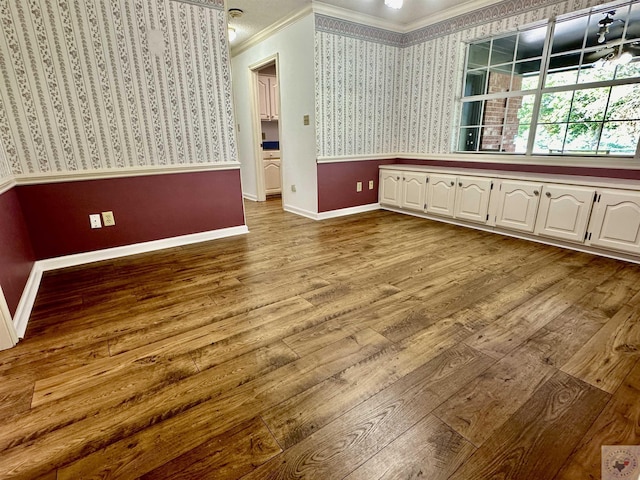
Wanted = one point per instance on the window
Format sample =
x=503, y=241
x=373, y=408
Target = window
x=571, y=87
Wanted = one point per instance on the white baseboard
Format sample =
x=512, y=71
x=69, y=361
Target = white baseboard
x=348, y=211
x=301, y=212
x=23, y=312
x=250, y=196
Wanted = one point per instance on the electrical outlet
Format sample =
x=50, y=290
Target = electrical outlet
x=293, y=188
x=370, y=184
x=94, y=220
x=359, y=187
x=108, y=219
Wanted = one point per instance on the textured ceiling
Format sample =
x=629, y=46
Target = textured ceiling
x=260, y=14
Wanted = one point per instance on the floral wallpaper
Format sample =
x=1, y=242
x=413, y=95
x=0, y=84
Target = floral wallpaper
x=107, y=84
x=415, y=84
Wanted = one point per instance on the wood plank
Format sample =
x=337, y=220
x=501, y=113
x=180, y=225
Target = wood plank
x=224, y=457
x=618, y=424
x=430, y=449
x=130, y=442
x=608, y=356
x=512, y=329
x=337, y=449
x=486, y=403
x=537, y=440
x=301, y=415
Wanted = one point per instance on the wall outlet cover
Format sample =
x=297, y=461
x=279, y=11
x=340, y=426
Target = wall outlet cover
x=108, y=219
x=94, y=220
x=370, y=184
x=358, y=186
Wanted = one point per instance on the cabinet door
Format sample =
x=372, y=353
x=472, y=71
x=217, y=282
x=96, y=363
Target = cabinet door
x=615, y=222
x=472, y=199
x=272, y=180
x=274, y=100
x=441, y=195
x=564, y=212
x=263, y=95
x=518, y=205
x=413, y=191
x=390, y=186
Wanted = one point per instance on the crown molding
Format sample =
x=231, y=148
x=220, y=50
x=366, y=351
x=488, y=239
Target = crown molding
x=356, y=17
x=271, y=30
x=448, y=13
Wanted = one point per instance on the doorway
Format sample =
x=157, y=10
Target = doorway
x=267, y=130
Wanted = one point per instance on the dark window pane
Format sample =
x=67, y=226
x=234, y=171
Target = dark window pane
x=531, y=43
x=633, y=23
x=569, y=35
x=471, y=114
x=478, y=55
x=468, y=141
x=475, y=83
x=600, y=33
x=503, y=50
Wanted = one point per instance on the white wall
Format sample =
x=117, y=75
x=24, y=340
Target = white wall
x=294, y=45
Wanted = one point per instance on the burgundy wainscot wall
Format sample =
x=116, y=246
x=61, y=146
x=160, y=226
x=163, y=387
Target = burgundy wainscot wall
x=16, y=253
x=145, y=208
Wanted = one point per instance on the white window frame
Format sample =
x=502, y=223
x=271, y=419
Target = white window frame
x=540, y=91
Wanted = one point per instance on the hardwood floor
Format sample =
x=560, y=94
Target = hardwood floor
x=375, y=346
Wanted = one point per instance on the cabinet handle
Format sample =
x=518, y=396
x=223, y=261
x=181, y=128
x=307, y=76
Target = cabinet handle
x=452, y=183
x=459, y=184
x=548, y=194
x=536, y=193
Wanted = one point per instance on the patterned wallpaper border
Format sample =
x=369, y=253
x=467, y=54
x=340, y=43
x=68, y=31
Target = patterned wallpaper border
x=465, y=21
x=355, y=30
x=217, y=4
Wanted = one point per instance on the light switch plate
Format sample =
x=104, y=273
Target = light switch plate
x=94, y=220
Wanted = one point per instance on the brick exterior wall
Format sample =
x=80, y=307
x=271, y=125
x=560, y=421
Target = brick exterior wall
x=498, y=134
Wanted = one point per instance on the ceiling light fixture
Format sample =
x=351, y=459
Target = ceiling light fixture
x=233, y=13
x=604, y=26
x=397, y=4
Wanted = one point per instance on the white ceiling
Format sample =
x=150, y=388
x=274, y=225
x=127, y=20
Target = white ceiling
x=260, y=14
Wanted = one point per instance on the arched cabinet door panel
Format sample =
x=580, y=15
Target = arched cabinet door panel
x=518, y=205
x=390, y=187
x=472, y=201
x=564, y=212
x=441, y=195
x=414, y=187
x=615, y=222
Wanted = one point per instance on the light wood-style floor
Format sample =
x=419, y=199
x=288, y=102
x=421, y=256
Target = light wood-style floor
x=372, y=346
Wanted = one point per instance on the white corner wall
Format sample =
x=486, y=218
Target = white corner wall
x=294, y=45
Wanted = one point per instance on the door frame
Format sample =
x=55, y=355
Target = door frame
x=257, y=126
x=8, y=334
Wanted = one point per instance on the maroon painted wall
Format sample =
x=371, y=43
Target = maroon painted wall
x=145, y=208
x=542, y=169
x=16, y=253
x=337, y=184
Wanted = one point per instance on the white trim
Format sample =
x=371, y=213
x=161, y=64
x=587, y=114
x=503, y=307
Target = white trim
x=7, y=185
x=300, y=211
x=8, y=335
x=357, y=158
x=28, y=298
x=357, y=17
x=21, y=318
x=270, y=30
x=521, y=236
x=540, y=177
x=602, y=162
x=57, y=177
x=449, y=13
x=250, y=196
x=348, y=211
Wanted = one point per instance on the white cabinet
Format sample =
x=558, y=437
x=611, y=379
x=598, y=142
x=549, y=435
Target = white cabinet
x=272, y=178
x=441, y=195
x=518, y=205
x=615, y=222
x=472, y=199
x=413, y=191
x=268, y=94
x=564, y=212
x=390, y=187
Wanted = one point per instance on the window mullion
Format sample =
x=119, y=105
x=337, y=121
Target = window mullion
x=546, y=54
